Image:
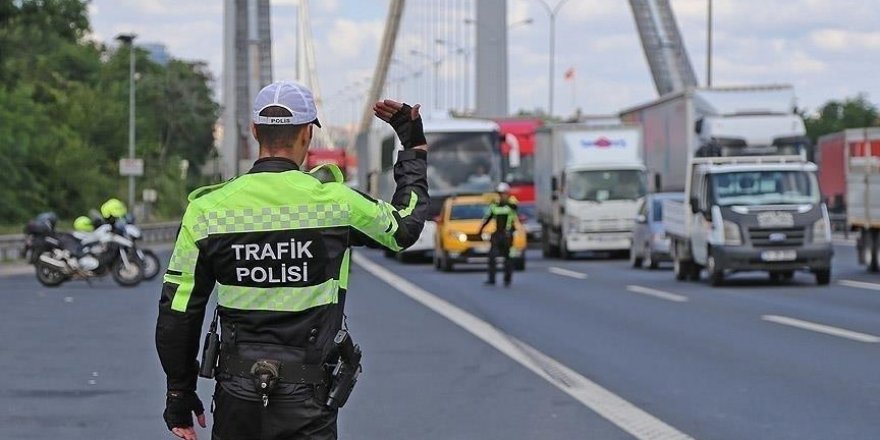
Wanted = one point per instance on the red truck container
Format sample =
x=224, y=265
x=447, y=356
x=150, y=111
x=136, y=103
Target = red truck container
x=519, y=136
x=831, y=154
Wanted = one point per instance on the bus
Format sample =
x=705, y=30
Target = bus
x=464, y=158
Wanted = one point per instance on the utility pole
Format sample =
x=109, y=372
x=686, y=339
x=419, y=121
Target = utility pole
x=709, y=46
x=128, y=40
x=551, y=13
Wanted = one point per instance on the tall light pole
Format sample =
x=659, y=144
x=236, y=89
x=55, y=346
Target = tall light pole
x=551, y=13
x=709, y=46
x=128, y=40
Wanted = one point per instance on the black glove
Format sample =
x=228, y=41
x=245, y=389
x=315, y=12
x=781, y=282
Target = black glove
x=179, y=408
x=409, y=130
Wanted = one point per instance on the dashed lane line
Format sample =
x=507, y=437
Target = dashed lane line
x=822, y=328
x=669, y=296
x=567, y=273
x=612, y=407
x=859, y=284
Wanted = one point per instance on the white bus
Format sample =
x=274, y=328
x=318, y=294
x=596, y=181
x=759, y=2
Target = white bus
x=464, y=158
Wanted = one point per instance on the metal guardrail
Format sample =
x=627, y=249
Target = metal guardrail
x=11, y=245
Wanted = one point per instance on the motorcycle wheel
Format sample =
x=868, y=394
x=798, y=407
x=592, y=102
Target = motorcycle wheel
x=151, y=264
x=128, y=276
x=48, y=275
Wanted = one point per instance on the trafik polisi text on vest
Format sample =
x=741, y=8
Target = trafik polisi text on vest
x=283, y=250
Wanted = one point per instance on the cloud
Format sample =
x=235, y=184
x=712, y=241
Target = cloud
x=845, y=40
x=349, y=37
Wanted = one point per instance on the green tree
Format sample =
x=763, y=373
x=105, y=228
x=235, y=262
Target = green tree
x=64, y=115
x=836, y=115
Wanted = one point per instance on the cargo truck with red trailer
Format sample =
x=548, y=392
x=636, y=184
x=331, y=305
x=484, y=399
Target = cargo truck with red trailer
x=861, y=171
x=518, y=164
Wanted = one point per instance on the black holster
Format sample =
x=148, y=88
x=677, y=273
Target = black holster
x=346, y=372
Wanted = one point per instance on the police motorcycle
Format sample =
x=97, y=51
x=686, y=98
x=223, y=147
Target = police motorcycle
x=150, y=262
x=60, y=256
x=115, y=213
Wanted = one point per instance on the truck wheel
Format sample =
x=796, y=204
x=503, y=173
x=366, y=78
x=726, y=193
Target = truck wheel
x=716, y=273
x=547, y=249
x=634, y=258
x=823, y=277
x=649, y=260
x=695, y=270
x=871, y=247
x=680, y=268
x=563, y=249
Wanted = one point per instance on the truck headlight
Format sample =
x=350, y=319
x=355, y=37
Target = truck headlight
x=732, y=235
x=821, y=231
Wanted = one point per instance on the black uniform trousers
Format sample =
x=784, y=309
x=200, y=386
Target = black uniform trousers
x=500, y=248
x=239, y=419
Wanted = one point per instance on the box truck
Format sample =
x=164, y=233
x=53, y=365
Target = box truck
x=752, y=199
x=589, y=181
x=862, y=171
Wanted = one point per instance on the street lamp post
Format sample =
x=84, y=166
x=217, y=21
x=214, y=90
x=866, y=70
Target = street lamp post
x=709, y=46
x=551, y=12
x=128, y=39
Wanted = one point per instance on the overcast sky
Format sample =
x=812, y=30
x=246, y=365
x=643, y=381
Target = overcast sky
x=828, y=49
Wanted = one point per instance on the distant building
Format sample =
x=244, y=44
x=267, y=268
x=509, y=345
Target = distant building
x=158, y=52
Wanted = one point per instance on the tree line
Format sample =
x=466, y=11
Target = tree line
x=64, y=116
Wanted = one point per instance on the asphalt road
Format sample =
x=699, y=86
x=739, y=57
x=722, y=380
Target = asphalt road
x=586, y=348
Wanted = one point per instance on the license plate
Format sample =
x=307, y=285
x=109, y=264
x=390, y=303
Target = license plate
x=779, y=255
x=481, y=249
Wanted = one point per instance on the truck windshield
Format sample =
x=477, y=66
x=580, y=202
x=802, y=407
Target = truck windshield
x=598, y=186
x=468, y=212
x=765, y=188
x=463, y=162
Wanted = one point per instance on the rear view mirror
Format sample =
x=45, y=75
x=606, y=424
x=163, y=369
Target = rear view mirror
x=695, y=205
x=641, y=219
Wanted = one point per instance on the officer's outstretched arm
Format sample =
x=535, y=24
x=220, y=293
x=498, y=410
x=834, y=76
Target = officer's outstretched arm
x=397, y=225
x=187, y=285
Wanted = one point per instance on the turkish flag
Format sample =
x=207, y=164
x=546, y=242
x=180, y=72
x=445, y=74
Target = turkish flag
x=569, y=74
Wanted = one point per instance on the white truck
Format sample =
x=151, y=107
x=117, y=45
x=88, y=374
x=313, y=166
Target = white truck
x=752, y=200
x=589, y=181
x=862, y=170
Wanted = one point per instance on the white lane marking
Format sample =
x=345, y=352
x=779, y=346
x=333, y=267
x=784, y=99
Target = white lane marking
x=605, y=403
x=657, y=293
x=567, y=273
x=822, y=328
x=859, y=284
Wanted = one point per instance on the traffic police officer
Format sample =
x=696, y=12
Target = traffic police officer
x=276, y=242
x=504, y=213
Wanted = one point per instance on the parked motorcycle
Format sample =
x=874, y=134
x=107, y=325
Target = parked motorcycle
x=60, y=256
x=148, y=258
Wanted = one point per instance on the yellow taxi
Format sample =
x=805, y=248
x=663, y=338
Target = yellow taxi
x=458, y=238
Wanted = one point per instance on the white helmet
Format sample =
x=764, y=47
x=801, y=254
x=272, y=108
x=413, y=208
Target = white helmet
x=503, y=187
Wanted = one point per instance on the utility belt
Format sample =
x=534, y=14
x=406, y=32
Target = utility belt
x=268, y=373
x=282, y=371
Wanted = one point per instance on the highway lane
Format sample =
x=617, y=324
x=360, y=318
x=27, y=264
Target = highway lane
x=701, y=359
x=709, y=365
